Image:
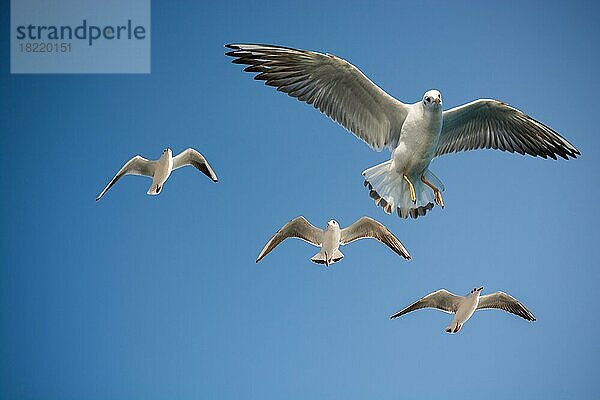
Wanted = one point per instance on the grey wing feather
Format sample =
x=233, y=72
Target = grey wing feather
x=332, y=85
x=505, y=302
x=195, y=159
x=491, y=124
x=297, y=228
x=441, y=300
x=138, y=165
x=367, y=227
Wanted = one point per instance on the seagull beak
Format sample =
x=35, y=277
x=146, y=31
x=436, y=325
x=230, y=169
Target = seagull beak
x=480, y=289
x=437, y=100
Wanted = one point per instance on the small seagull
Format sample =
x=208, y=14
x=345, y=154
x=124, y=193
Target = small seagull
x=159, y=170
x=414, y=133
x=465, y=306
x=330, y=239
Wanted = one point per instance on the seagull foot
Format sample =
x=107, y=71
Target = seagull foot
x=413, y=197
x=438, y=195
x=438, y=198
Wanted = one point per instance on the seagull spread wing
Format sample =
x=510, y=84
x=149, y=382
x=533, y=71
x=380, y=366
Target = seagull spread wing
x=297, y=228
x=491, y=124
x=195, y=159
x=441, y=299
x=332, y=85
x=138, y=165
x=369, y=228
x=505, y=302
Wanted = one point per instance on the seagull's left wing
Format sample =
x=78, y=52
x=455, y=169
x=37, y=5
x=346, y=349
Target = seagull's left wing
x=332, y=85
x=197, y=160
x=491, y=124
x=299, y=228
x=369, y=228
x=441, y=300
x=505, y=302
x=138, y=165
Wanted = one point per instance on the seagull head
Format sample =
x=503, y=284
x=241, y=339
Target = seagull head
x=167, y=150
x=432, y=99
x=332, y=224
x=477, y=290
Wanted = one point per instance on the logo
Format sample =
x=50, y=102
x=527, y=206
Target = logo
x=82, y=32
x=80, y=36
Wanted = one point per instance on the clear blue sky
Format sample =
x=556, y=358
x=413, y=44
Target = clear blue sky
x=139, y=297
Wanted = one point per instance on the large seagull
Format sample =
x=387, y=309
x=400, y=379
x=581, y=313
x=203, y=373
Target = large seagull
x=414, y=133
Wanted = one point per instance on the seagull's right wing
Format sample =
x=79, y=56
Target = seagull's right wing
x=505, y=302
x=441, y=299
x=332, y=85
x=298, y=228
x=138, y=165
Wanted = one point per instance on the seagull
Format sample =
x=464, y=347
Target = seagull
x=159, y=170
x=464, y=306
x=330, y=239
x=414, y=133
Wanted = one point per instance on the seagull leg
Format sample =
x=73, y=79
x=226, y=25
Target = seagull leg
x=436, y=191
x=413, y=197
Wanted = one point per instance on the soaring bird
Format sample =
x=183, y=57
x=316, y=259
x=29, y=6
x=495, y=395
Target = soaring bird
x=414, y=133
x=330, y=239
x=160, y=170
x=464, y=306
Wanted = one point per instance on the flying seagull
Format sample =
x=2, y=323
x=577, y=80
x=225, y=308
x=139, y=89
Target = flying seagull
x=465, y=306
x=330, y=239
x=414, y=133
x=159, y=170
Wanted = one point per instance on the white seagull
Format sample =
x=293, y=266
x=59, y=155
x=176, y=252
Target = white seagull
x=464, y=306
x=414, y=133
x=330, y=239
x=159, y=170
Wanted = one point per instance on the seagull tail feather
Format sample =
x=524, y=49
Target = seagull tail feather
x=154, y=189
x=321, y=257
x=390, y=191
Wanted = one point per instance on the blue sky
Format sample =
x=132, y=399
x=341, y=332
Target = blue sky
x=159, y=297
